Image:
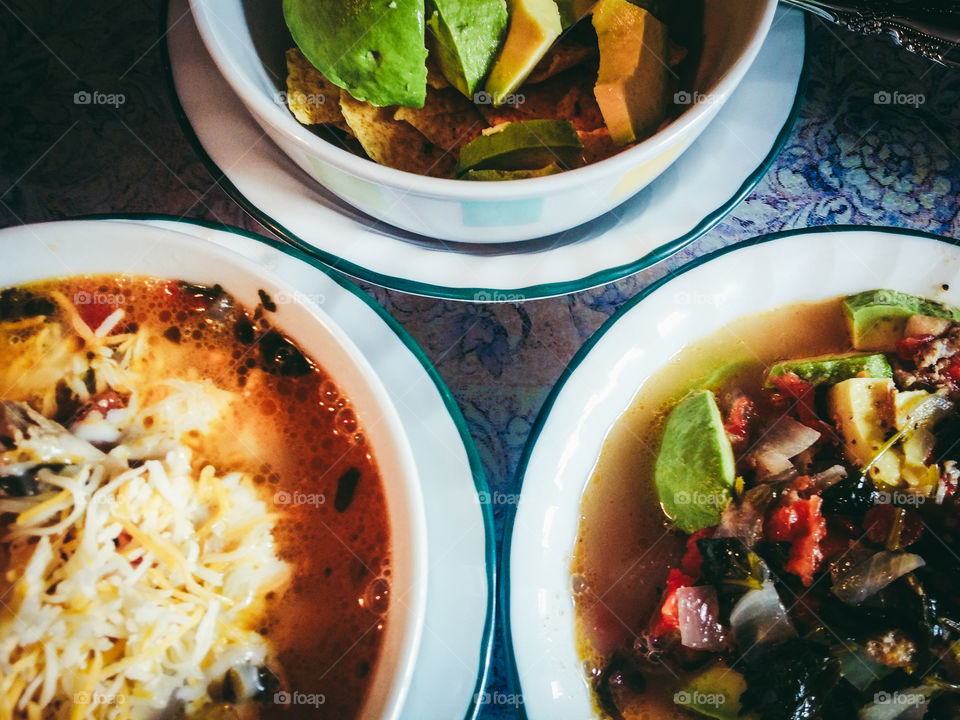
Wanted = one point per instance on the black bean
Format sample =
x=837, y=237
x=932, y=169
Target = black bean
x=346, y=486
x=267, y=301
x=281, y=357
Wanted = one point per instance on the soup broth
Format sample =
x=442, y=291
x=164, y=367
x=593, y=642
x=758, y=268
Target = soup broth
x=624, y=547
x=285, y=425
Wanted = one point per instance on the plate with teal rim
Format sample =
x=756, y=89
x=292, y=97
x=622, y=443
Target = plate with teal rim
x=458, y=629
x=601, y=382
x=688, y=199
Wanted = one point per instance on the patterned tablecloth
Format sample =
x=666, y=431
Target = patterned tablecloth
x=852, y=158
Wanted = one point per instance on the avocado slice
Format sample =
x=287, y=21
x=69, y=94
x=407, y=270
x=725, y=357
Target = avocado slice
x=715, y=692
x=869, y=412
x=572, y=11
x=833, y=369
x=465, y=36
x=373, y=49
x=534, y=25
x=720, y=375
x=863, y=411
x=877, y=317
x=694, y=470
x=551, y=169
x=633, y=85
x=530, y=145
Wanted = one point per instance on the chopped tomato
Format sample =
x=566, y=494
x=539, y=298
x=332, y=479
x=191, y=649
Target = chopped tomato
x=195, y=297
x=692, y=559
x=742, y=413
x=791, y=388
x=953, y=369
x=94, y=308
x=879, y=521
x=907, y=347
x=802, y=524
x=948, y=485
x=790, y=385
x=668, y=619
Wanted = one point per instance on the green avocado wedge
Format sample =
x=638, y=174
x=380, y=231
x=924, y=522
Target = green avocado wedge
x=634, y=82
x=530, y=145
x=719, y=375
x=715, y=693
x=465, y=37
x=833, y=369
x=373, y=49
x=695, y=468
x=877, y=318
x=551, y=169
x=534, y=27
x=571, y=11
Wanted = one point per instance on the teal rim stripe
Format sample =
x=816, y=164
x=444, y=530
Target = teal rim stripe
x=510, y=660
x=450, y=293
x=476, y=468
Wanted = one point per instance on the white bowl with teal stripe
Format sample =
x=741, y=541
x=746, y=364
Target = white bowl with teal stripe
x=602, y=381
x=247, y=41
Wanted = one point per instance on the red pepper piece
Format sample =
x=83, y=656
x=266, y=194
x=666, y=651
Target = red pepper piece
x=692, y=561
x=668, y=619
x=802, y=524
x=743, y=412
x=791, y=387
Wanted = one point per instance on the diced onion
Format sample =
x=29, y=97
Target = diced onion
x=698, y=610
x=909, y=704
x=874, y=574
x=788, y=437
x=759, y=617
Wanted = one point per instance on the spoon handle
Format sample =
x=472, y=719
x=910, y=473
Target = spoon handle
x=930, y=28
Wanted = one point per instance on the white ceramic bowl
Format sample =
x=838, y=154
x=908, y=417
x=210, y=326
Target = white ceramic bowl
x=247, y=41
x=62, y=249
x=603, y=380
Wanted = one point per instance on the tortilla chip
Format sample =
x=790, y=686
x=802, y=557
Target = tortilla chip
x=562, y=56
x=447, y=119
x=312, y=98
x=502, y=114
x=568, y=96
x=392, y=142
x=598, y=145
x=579, y=106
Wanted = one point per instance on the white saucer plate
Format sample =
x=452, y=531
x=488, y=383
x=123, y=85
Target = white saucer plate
x=457, y=632
x=602, y=380
x=701, y=187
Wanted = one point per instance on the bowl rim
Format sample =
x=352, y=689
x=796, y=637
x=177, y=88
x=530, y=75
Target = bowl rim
x=540, y=290
x=279, y=118
x=478, y=474
x=391, y=686
x=511, y=667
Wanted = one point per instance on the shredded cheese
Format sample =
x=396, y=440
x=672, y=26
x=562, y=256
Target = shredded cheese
x=132, y=579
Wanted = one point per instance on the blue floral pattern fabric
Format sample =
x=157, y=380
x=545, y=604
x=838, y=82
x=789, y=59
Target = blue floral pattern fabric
x=877, y=142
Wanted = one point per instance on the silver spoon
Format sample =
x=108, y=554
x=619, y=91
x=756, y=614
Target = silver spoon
x=930, y=28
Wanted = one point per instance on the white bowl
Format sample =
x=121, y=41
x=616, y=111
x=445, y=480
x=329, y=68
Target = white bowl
x=247, y=41
x=603, y=380
x=63, y=249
